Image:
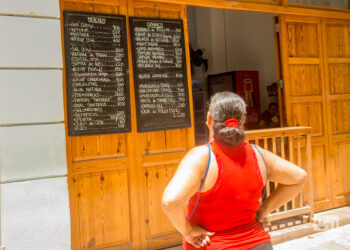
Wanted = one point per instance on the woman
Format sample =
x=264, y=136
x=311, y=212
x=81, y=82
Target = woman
x=228, y=213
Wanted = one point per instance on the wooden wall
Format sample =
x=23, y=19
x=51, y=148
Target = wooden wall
x=116, y=181
x=315, y=55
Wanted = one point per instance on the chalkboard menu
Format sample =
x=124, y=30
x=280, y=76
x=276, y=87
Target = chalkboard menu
x=96, y=73
x=160, y=74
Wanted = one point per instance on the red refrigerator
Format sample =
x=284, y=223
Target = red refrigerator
x=243, y=83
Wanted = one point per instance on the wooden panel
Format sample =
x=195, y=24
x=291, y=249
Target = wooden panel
x=338, y=40
x=163, y=141
x=302, y=40
x=319, y=174
x=340, y=111
x=257, y=6
x=98, y=146
x=339, y=78
x=156, y=180
x=336, y=45
x=309, y=114
x=103, y=208
x=305, y=93
x=342, y=173
x=102, y=174
x=305, y=80
x=155, y=148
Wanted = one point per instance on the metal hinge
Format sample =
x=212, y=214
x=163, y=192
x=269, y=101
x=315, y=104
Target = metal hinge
x=276, y=27
x=281, y=83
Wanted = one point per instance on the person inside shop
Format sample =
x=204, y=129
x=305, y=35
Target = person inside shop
x=223, y=184
x=269, y=118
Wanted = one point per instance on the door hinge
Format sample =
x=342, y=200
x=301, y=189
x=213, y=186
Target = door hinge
x=276, y=27
x=280, y=83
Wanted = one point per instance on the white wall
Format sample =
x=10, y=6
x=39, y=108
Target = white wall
x=33, y=166
x=237, y=40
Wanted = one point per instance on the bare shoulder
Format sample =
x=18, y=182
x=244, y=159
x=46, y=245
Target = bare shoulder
x=196, y=155
x=199, y=151
x=196, y=159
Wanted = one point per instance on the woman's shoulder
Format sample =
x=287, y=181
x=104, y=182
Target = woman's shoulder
x=199, y=151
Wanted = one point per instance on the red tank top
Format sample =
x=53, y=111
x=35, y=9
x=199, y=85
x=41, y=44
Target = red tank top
x=229, y=207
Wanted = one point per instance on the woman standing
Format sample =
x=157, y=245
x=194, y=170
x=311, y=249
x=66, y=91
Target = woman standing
x=223, y=183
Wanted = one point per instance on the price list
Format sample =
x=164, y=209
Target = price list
x=160, y=74
x=96, y=73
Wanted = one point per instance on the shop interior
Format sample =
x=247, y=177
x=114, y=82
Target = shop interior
x=234, y=51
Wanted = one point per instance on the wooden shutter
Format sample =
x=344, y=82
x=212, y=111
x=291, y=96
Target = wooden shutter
x=336, y=47
x=116, y=181
x=305, y=95
x=102, y=176
x=159, y=153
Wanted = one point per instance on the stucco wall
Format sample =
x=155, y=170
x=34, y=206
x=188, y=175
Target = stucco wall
x=34, y=191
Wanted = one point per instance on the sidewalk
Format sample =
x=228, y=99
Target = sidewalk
x=332, y=239
x=330, y=231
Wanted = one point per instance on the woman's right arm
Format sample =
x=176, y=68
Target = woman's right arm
x=185, y=182
x=290, y=179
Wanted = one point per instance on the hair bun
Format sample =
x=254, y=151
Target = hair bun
x=228, y=135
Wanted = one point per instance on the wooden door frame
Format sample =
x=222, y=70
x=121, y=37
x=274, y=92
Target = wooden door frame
x=279, y=70
x=279, y=7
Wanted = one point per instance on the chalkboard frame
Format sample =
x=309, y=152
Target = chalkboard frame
x=124, y=43
x=188, y=122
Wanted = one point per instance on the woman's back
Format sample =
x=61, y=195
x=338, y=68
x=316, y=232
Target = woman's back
x=229, y=207
x=226, y=214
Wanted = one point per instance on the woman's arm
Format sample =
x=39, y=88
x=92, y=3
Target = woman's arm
x=290, y=179
x=186, y=182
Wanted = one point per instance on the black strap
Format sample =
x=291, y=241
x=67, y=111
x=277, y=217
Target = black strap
x=263, y=195
x=200, y=189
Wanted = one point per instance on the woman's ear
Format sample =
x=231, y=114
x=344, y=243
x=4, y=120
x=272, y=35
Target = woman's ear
x=243, y=122
x=209, y=121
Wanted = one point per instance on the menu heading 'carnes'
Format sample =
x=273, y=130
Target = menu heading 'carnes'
x=96, y=73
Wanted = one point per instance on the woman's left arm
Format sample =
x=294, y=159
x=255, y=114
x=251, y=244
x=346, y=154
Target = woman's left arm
x=186, y=182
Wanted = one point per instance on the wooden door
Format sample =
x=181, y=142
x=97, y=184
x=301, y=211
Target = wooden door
x=159, y=153
x=116, y=181
x=305, y=95
x=336, y=47
x=102, y=176
x=316, y=68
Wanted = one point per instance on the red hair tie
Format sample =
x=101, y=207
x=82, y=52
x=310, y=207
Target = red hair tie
x=231, y=123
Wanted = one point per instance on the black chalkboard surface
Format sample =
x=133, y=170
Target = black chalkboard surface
x=160, y=74
x=97, y=79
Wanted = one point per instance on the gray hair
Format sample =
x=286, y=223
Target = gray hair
x=223, y=106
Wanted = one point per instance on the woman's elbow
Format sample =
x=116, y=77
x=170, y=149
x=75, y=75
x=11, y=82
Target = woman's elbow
x=169, y=202
x=302, y=176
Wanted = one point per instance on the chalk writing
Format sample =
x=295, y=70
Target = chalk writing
x=96, y=73
x=160, y=74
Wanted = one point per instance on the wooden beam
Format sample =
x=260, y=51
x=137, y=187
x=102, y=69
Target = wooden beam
x=290, y=213
x=258, y=7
